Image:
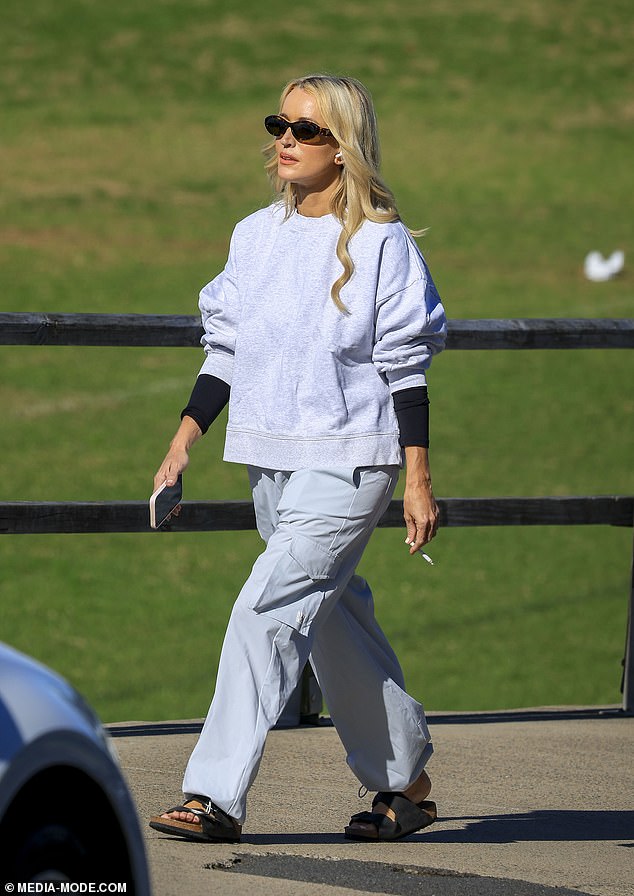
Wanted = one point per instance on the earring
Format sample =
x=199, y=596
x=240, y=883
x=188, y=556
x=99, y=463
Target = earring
x=338, y=157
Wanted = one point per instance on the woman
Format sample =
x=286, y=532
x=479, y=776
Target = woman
x=318, y=333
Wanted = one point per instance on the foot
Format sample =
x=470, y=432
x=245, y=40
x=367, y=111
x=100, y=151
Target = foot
x=198, y=819
x=181, y=815
x=417, y=793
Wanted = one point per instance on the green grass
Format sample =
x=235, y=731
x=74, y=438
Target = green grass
x=131, y=138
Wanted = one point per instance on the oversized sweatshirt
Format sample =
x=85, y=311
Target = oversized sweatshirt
x=311, y=385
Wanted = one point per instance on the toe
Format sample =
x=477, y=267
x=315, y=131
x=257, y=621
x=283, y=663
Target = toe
x=182, y=816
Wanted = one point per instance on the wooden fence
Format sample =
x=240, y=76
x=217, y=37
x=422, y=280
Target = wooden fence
x=27, y=517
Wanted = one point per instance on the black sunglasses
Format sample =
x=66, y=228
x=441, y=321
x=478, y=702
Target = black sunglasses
x=303, y=130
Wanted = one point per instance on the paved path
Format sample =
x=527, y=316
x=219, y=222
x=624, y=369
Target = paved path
x=527, y=803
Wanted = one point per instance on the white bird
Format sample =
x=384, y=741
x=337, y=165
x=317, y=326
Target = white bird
x=599, y=269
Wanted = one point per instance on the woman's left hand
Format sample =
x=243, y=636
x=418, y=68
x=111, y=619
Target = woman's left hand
x=419, y=505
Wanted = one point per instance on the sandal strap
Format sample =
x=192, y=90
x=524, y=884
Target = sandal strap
x=212, y=816
x=385, y=797
x=383, y=824
x=410, y=816
x=389, y=797
x=365, y=817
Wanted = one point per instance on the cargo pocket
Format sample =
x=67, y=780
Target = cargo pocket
x=318, y=562
x=298, y=584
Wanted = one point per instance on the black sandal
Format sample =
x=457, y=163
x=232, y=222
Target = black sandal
x=405, y=817
x=215, y=826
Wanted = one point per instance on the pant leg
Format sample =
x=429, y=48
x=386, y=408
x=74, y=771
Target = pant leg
x=260, y=665
x=259, y=660
x=382, y=728
x=324, y=519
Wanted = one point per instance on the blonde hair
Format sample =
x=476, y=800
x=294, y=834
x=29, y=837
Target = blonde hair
x=361, y=194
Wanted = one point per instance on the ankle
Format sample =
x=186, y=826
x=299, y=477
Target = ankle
x=420, y=789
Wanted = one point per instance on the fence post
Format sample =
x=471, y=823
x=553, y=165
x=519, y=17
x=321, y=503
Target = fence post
x=305, y=703
x=628, y=661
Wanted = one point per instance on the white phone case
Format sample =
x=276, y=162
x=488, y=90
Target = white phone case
x=163, y=501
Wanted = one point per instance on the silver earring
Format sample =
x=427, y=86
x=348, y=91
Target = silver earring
x=338, y=157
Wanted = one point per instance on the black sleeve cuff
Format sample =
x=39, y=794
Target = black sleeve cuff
x=209, y=396
x=412, y=413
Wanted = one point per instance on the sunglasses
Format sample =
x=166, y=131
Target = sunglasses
x=304, y=131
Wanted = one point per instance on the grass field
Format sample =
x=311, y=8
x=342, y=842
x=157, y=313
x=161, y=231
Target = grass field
x=131, y=137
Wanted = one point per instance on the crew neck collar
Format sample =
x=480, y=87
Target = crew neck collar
x=306, y=222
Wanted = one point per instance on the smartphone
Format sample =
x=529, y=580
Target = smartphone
x=164, y=500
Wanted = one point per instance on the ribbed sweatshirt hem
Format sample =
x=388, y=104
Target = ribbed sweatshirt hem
x=291, y=452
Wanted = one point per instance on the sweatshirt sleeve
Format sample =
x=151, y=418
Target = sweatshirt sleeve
x=411, y=326
x=220, y=311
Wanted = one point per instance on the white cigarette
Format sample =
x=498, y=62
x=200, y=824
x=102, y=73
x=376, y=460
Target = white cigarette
x=422, y=553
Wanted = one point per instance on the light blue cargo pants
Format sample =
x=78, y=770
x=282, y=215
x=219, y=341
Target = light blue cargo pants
x=303, y=601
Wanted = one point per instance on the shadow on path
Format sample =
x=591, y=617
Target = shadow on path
x=382, y=877
x=540, y=825
x=545, y=825
x=152, y=729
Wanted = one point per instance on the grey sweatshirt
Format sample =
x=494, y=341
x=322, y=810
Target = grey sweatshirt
x=310, y=385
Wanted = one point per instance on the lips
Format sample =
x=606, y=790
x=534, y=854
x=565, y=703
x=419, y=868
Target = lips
x=287, y=159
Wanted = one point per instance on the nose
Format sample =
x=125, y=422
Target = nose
x=287, y=138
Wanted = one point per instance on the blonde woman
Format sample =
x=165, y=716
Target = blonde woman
x=318, y=333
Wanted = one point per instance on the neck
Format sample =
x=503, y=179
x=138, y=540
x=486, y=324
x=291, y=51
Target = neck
x=313, y=204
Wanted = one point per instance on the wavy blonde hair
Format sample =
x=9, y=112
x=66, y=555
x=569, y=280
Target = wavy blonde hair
x=361, y=194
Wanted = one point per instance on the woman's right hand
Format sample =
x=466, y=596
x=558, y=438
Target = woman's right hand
x=177, y=458
x=174, y=463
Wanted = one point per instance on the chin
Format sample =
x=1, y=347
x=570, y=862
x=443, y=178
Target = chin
x=284, y=173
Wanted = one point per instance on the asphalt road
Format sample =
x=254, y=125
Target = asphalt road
x=530, y=804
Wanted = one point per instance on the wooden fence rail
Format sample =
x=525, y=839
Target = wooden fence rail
x=55, y=517
x=31, y=517
x=167, y=330
x=41, y=517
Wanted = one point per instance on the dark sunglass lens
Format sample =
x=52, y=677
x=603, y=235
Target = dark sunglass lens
x=305, y=130
x=275, y=125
